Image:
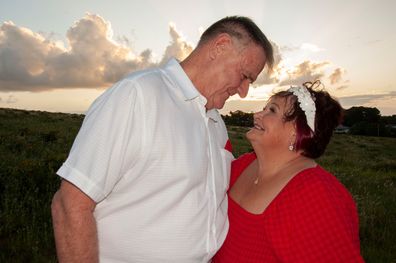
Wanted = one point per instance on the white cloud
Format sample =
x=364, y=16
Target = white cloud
x=91, y=58
x=366, y=98
x=271, y=77
x=305, y=71
x=178, y=47
x=337, y=76
x=31, y=62
x=9, y=100
x=311, y=47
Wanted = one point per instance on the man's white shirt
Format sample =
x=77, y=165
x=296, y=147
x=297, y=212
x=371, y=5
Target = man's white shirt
x=153, y=159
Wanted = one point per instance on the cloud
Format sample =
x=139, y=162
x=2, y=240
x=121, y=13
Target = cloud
x=92, y=58
x=9, y=100
x=311, y=47
x=337, y=76
x=30, y=61
x=305, y=71
x=286, y=73
x=348, y=101
x=342, y=87
x=288, y=48
x=271, y=77
x=178, y=47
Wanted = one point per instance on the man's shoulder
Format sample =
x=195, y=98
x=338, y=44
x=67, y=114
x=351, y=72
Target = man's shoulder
x=143, y=75
x=148, y=81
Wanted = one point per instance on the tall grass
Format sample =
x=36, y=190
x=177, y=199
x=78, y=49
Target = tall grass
x=33, y=146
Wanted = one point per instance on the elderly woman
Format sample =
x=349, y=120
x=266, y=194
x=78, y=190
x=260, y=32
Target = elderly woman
x=283, y=206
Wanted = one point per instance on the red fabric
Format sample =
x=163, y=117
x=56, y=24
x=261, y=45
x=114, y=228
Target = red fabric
x=228, y=146
x=313, y=219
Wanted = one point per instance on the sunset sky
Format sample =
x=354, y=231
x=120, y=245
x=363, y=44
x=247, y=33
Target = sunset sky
x=60, y=55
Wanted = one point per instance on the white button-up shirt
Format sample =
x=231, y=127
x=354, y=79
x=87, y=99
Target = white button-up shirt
x=153, y=159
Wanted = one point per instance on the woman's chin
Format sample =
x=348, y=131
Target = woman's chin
x=249, y=135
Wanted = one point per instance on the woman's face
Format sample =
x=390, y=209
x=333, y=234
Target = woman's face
x=270, y=130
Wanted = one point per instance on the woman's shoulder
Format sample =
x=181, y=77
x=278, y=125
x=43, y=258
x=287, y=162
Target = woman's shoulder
x=317, y=176
x=320, y=217
x=240, y=164
x=321, y=184
x=243, y=161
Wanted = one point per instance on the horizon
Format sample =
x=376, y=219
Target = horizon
x=222, y=112
x=60, y=56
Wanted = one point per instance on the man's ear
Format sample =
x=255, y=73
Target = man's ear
x=220, y=44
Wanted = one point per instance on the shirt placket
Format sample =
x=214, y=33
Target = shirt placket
x=210, y=186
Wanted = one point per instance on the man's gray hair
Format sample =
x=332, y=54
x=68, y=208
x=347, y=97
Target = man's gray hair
x=243, y=29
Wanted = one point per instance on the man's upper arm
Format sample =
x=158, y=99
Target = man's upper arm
x=96, y=161
x=71, y=199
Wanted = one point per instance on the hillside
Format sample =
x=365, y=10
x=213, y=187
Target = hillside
x=34, y=144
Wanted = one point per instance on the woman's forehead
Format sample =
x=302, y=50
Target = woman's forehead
x=284, y=102
x=277, y=99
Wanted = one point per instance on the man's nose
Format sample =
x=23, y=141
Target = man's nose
x=243, y=88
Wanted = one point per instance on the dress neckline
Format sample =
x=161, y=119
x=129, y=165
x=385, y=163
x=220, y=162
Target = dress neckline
x=278, y=196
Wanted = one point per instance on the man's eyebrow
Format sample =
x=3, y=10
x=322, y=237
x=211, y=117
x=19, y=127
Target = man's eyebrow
x=250, y=77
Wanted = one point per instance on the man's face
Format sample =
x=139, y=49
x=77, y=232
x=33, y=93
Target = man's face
x=238, y=69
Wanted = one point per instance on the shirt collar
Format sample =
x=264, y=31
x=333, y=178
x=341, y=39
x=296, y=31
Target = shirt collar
x=180, y=78
x=213, y=114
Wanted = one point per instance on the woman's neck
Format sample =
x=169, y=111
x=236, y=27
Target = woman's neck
x=278, y=164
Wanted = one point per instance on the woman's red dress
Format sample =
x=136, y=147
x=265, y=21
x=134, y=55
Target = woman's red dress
x=312, y=219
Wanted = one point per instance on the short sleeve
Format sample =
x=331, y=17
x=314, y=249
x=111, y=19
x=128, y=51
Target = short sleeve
x=321, y=222
x=95, y=162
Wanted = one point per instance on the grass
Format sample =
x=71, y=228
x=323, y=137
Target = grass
x=33, y=146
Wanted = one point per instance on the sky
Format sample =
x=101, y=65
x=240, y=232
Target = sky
x=59, y=56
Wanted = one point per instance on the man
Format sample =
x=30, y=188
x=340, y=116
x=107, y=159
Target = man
x=146, y=177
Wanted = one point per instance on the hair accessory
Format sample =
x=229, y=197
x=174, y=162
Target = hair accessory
x=307, y=104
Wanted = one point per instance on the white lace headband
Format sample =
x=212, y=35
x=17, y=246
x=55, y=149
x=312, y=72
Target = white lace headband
x=307, y=104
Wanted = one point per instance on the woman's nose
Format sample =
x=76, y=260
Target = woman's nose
x=257, y=115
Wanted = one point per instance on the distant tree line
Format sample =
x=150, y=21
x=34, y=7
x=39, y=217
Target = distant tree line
x=368, y=121
x=238, y=118
x=360, y=120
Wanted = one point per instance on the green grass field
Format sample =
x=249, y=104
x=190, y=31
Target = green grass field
x=33, y=146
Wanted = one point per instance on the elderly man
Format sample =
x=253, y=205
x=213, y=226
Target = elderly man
x=146, y=178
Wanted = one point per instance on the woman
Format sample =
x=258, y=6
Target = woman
x=283, y=207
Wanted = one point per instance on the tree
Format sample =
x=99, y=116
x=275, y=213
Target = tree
x=239, y=118
x=356, y=115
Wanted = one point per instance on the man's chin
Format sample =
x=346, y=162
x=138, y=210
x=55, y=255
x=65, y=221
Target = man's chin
x=219, y=106
x=215, y=105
